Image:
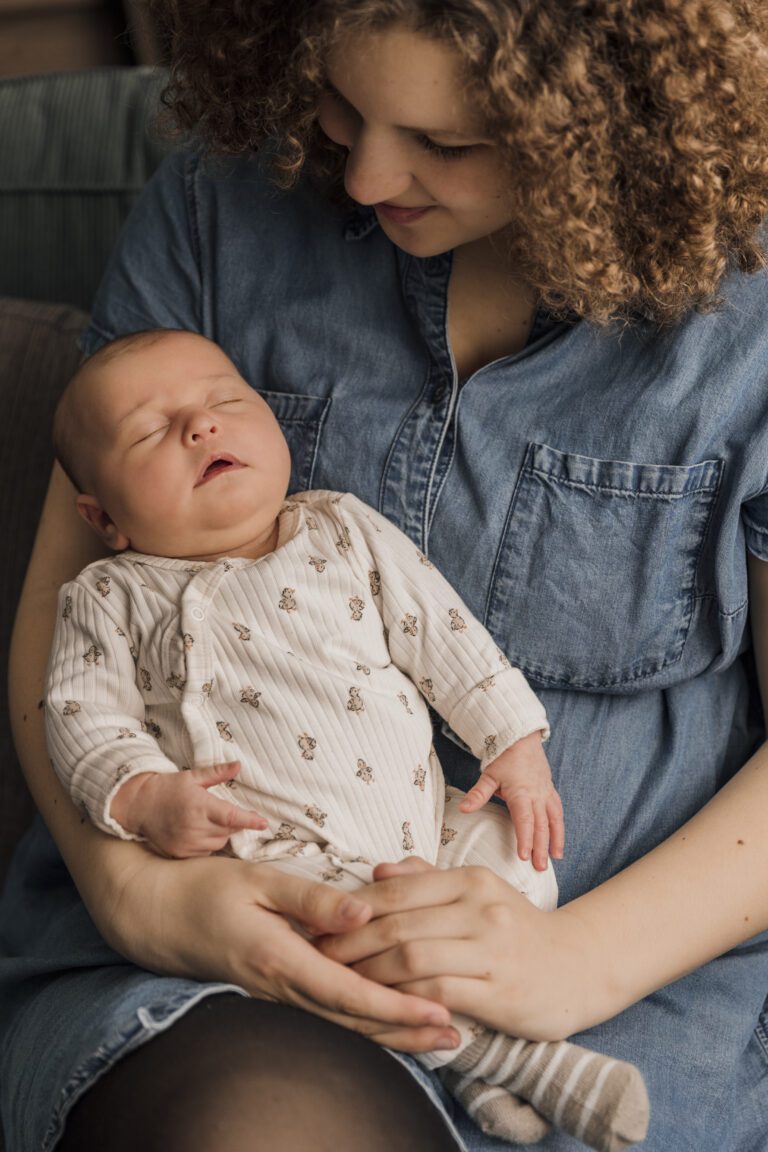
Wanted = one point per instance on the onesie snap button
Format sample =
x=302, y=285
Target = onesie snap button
x=197, y=613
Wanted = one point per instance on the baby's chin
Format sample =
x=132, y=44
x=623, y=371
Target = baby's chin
x=216, y=546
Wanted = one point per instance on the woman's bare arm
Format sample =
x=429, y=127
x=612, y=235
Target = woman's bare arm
x=465, y=938
x=214, y=918
x=63, y=546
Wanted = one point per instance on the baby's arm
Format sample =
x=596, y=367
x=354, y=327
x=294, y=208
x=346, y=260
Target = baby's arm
x=102, y=748
x=457, y=666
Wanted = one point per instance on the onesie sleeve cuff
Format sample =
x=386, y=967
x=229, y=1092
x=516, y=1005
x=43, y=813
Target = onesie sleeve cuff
x=98, y=798
x=497, y=712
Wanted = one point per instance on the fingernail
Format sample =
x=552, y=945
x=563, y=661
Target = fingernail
x=445, y=1043
x=439, y=1019
x=351, y=908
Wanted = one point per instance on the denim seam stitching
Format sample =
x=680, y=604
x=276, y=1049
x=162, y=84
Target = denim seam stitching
x=502, y=539
x=628, y=492
x=761, y=1035
x=727, y=615
x=316, y=445
x=190, y=190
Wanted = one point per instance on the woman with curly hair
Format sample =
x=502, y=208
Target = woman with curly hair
x=498, y=268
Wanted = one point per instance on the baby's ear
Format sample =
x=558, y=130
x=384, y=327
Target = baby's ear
x=93, y=514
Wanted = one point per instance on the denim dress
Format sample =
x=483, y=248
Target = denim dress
x=592, y=498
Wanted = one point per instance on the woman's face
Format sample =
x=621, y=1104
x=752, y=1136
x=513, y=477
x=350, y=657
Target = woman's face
x=418, y=153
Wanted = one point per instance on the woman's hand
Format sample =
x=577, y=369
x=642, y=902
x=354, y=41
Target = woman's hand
x=219, y=918
x=465, y=938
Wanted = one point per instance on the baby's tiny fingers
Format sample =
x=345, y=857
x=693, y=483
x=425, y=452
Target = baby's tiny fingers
x=479, y=794
x=556, y=828
x=540, y=852
x=521, y=812
x=241, y=818
x=214, y=774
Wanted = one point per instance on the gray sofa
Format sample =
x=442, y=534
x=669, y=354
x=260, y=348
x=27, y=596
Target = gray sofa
x=75, y=149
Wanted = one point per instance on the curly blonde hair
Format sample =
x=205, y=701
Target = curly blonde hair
x=635, y=132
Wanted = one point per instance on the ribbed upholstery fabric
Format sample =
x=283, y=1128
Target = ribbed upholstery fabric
x=38, y=353
x=75, y=150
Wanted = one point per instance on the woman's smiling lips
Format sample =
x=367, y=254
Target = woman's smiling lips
x=401, y=215
x=217, y=465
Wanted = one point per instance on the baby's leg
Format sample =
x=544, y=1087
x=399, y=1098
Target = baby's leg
x=601, y=1101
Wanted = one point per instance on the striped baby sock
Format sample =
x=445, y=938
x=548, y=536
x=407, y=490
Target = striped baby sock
x=601, y=1101
x=496, y=1110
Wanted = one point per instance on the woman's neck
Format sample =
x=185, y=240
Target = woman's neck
x=490, y=310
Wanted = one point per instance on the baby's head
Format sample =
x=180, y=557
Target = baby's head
x=171, y=451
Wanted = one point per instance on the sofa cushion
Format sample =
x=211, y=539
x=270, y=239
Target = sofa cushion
x=38, y=354
x=77, y=148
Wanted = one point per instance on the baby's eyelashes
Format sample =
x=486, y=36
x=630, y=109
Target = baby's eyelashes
x=148, y=435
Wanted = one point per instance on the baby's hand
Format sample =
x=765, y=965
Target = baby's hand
x=175, y=814
x=522, y=777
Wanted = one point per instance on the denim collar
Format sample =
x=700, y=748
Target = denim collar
x=359, y=222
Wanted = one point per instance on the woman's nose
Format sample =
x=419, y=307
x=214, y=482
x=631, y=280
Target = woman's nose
x=199, y=425
x=376, y=171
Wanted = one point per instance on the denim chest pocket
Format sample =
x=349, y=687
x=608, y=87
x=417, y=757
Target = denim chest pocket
x=301, y=420
x=596, y=576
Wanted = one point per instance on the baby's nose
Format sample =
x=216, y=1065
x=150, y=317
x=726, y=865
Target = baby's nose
x=200, y=425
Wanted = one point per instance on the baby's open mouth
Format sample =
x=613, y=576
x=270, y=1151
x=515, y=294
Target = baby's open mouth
x=216, y=466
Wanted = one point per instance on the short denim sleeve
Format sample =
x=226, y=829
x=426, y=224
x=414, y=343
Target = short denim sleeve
x=153, y=277
x=755, y=517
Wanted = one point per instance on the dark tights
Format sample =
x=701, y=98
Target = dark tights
x=236, y=1075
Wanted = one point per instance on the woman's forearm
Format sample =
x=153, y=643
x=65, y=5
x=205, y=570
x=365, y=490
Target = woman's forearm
x=697, y=895
x=62, y=547
x=464, y=937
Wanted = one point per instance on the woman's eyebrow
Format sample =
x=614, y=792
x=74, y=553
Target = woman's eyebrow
x=437, y=133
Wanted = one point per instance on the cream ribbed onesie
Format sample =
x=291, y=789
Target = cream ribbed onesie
x=304, y=666
x=313, y=666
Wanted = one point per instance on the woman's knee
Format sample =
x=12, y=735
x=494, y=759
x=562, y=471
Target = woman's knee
x=237, y=1075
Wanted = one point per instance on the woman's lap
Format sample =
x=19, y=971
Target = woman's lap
x=70, y=1009
x=236, y=1074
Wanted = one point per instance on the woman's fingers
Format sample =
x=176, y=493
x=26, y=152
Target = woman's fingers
x=294, y=971
x=324, y=979
x=407, y=867
x=379, y=936
x=435, y=958
x=340, y=994
x=318, y=907
x=418, y=885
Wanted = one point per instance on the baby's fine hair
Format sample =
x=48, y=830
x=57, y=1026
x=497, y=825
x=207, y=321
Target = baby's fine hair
x=635, y=135
x=69, y=445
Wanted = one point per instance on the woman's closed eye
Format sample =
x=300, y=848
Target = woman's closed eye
x=441, y=151
x=444, y=151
